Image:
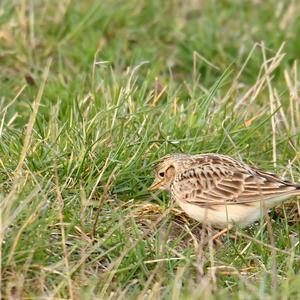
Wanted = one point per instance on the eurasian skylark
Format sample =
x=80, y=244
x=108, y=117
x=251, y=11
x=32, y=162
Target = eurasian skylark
x=220, y=190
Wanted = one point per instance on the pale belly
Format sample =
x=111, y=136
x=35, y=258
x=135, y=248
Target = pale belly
x=223, y=215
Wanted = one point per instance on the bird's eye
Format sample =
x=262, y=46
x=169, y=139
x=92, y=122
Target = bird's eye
x=161, y=174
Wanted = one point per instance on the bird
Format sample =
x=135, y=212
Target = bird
x=219, y=190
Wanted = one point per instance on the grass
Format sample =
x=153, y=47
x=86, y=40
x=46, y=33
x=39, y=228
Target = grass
x=92, y=94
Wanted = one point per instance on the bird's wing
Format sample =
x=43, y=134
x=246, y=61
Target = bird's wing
x=227, y=183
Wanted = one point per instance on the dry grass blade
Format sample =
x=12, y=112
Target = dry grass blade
x=35, y=107
x=272, y=248
x=271, y=101
x=106, y=190
x=60, y=202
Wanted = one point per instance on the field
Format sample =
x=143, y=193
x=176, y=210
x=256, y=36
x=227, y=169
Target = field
x=92, y=94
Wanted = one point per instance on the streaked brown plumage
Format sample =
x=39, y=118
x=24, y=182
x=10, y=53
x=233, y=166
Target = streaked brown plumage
x=220, y=190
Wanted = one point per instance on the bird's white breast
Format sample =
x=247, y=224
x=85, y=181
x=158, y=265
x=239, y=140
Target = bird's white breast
x=222, y=215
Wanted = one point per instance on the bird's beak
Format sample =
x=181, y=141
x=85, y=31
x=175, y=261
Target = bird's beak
x=155, y=185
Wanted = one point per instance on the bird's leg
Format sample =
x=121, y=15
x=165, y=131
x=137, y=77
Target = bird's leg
x=209, y=238
x=220, y=233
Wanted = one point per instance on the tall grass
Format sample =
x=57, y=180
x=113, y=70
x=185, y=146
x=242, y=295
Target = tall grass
x=92, y=94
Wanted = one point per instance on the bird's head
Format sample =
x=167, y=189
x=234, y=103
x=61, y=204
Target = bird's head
x=166, y=171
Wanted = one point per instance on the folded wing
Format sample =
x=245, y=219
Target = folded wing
x=228, y=183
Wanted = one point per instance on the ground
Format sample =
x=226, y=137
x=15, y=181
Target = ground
x=93, y=93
